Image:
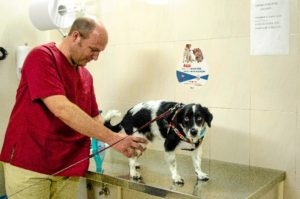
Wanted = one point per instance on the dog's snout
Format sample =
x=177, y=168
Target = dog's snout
x=193, y=132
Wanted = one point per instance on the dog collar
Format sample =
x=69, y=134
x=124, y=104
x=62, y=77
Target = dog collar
x=202, y=133
x=179, y=134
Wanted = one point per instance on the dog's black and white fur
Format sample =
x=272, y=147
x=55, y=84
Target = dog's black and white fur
x=190, y=120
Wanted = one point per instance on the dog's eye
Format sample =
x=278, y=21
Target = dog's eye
x=186, y=119
x=199, y=118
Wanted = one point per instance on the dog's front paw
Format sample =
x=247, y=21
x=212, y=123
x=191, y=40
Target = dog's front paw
x=202, y=176
x=178, y=180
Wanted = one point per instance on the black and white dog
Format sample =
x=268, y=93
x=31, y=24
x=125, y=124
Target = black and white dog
x=186, y=123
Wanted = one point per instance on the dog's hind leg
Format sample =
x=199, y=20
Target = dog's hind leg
x=132, y=169
x=171, y=159
x=196, y=156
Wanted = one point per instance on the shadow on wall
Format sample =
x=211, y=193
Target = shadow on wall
x=227, y=144
x=146, y=80
x=16, y=33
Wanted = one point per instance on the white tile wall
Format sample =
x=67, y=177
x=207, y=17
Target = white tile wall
x=298, y=126
x=229, y=136
x=272, y=141
x=294, y=17
x=274, y=80
x=191, y=25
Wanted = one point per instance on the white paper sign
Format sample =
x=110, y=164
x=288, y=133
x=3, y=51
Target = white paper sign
x=269, y=27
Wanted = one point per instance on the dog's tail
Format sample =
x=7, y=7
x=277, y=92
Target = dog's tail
x=108, y=117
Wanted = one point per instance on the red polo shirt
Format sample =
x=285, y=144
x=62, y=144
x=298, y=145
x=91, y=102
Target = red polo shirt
x=37, y=140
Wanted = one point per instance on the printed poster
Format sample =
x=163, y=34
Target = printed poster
x=192, y=69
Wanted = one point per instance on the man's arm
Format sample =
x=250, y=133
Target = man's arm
x=99, y=118
x=80, y=121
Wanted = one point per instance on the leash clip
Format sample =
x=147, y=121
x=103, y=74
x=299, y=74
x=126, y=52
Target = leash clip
x=177, y=106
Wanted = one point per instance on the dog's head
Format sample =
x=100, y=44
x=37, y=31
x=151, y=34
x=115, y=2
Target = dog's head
x=193, y=119
x=198, y=54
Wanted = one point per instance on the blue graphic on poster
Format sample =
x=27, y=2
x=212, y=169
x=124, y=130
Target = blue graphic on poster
x=192, y=69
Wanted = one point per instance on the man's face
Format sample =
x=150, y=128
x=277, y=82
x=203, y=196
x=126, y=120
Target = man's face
x=88, y=49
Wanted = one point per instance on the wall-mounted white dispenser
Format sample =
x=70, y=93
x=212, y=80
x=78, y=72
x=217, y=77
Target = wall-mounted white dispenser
x=51, y=14
x=54, y=14
x=21, y=54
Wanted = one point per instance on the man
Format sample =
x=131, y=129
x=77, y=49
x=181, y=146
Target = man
x=54, y=116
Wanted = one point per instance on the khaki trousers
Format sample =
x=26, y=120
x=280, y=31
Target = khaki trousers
x=24, y=184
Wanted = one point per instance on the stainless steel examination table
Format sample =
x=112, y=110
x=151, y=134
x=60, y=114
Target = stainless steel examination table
x=227, y=180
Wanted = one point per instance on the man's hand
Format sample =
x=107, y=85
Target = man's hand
x=131, y=146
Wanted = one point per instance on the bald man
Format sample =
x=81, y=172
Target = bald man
x=55, y=115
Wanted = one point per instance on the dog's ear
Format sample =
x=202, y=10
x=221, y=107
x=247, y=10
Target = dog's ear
x=207, y=116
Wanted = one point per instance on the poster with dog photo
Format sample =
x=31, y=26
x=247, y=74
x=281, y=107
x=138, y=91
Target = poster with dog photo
x=193, y=69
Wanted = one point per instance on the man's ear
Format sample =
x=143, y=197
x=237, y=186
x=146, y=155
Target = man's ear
x=75, y=36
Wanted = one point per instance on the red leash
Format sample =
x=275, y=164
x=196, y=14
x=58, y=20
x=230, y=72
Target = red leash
x=168, y=112
x=103, y=149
